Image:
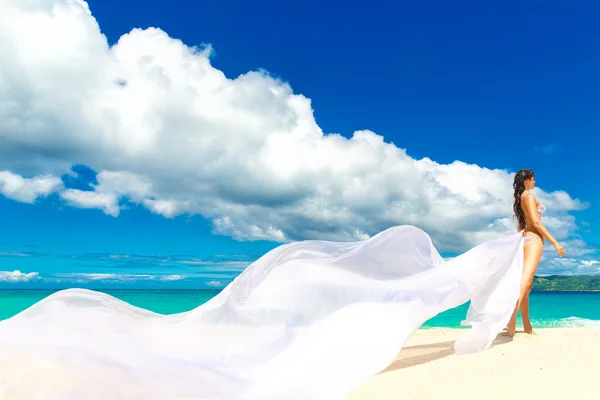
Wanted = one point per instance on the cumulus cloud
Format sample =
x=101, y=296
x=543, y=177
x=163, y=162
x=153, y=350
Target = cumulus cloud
x=27, y=190
x=17, y=276
x=167, y=130
x=88, y=199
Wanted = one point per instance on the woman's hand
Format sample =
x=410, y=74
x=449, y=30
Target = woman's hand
x=560, y=249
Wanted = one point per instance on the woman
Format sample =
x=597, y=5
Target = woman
x=529, y=212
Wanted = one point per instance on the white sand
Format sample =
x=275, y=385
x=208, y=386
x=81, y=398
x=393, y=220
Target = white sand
x=555, y=364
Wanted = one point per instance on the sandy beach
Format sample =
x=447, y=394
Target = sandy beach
x=554, y=364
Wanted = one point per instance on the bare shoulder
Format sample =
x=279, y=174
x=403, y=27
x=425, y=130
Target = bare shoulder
x=527, y=197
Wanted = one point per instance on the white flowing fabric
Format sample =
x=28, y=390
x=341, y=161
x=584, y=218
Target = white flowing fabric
x=308, y=320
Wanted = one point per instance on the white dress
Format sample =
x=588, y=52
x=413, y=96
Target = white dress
x=308, y=320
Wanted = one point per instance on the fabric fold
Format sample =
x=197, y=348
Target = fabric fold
x=308, y=320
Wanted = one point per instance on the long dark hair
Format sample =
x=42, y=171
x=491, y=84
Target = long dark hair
x=519, y=185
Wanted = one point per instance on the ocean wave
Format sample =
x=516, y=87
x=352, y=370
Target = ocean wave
x=570, y=322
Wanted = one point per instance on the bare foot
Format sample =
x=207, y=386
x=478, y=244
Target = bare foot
x=529, y=331
x=511, y=333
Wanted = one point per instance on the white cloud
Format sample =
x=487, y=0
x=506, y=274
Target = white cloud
x=92, y=277
x=167, y=208
x=27, y=190
x=14, y=254
x=218, y=264
x=171, y=132
x=570, y=266
x=171, y=278
x=590, y=263
x=17, y=276
x=214, y=283
x=87, y=199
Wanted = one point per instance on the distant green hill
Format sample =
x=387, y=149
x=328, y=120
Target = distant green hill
x=566, y=283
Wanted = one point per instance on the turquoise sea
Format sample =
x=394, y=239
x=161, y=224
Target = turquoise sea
x=548, y=309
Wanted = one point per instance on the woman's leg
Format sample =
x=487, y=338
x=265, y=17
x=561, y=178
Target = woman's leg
x=532, y=255
x=525, y=315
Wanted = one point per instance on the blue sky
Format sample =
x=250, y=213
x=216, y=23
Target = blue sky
x=497, y=87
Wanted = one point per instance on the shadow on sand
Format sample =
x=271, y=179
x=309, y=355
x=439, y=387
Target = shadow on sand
x=411, y=356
